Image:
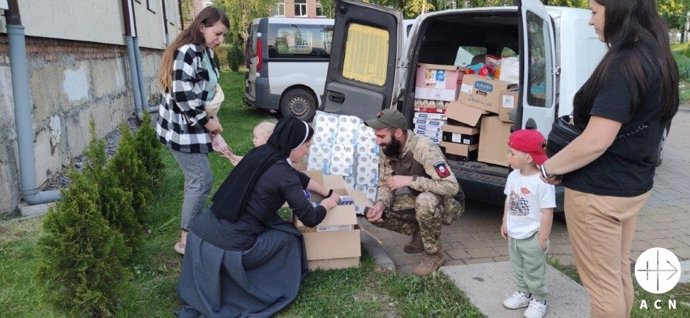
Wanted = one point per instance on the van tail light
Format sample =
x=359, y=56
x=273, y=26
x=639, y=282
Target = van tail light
x=259, y=54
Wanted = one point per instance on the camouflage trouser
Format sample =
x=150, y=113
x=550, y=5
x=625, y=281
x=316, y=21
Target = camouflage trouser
x=410, y=213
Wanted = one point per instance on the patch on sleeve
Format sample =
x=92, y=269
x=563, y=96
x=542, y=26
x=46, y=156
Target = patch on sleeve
x=441, y=169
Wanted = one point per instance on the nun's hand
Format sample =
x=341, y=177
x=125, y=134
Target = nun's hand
x=331, y=201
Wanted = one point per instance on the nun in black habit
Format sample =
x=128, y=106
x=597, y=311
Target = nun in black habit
x=241, y=258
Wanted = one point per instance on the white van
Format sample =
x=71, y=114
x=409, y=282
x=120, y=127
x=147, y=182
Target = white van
x=371, y=69
x=287, y=60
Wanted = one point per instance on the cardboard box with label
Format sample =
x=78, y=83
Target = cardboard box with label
x=493, y=141
x=436, y=116
x=482, y=93
x=464, y=114
x=433, y=134
x=509, y=101
x=335, y=242
x=437, y=82
x=459, y=152
x=460, y=134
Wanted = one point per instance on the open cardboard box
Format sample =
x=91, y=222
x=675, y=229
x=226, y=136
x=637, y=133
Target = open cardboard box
x=335, y=242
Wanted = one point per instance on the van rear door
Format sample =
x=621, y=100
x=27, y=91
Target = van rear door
x=538, y=84
x=367, y=41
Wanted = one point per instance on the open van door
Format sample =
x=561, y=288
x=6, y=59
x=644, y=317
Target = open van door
x=367, y=41
x=538, y=83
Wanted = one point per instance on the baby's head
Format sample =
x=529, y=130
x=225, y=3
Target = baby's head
x=529, y=145
x=261, y=133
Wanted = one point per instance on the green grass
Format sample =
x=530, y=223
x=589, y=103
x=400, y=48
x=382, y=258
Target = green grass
x=358, y=292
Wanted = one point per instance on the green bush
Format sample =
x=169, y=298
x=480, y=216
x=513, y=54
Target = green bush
x=148, y=149
x=221, y=53
x=683, y=62
x=80, y=256
x=235, y=57
x=114, y=203
x=131, y=174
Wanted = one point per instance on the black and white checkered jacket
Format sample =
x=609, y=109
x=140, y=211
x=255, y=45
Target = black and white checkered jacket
x=181, y=115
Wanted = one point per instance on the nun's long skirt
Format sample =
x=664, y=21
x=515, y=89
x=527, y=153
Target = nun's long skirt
x=257, y=282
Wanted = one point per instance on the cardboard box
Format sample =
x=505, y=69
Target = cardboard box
x=493, y=141
x=464, y=114
x=430, y=110
x=460, y=134
x=335, y=242
x=430, y=122
x=509, y=101
x=436, y=82
x=435, y=116
x=459, y=152
x=429, y=127
x=482, y=93
x=433, y=134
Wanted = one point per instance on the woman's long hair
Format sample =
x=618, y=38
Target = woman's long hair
x=636, y=36
x=190, y=35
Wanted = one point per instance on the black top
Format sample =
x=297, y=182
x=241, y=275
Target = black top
x=626, y=168
x=279, y=184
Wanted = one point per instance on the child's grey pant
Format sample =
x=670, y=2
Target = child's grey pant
x=529, y=265
x=198, y=181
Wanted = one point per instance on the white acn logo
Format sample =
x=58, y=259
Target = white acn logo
x=657, y=270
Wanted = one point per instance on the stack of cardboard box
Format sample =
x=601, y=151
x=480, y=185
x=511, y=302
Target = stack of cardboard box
x=435, y=86
x=475, y=124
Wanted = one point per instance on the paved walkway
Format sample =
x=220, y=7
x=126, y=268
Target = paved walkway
x=663, y=222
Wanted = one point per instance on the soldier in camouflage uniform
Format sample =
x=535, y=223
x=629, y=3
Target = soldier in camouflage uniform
x=416, y=188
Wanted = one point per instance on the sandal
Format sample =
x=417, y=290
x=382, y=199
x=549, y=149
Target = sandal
x=179, y=248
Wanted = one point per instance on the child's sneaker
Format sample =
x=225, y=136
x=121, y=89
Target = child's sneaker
x=517, y=300
x=536, y=309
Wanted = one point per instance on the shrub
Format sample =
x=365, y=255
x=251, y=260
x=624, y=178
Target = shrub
x=80, y=256
x=114, y=203
x=235, y=57
x=148, y=149
x=683, y=62
x=221, y=54
x=131, y=173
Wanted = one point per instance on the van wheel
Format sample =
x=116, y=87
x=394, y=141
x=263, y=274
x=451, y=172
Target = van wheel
x=299, y=103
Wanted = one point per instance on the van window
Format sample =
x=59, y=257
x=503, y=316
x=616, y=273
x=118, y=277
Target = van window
x=538, y=81
x=299, y=41
x=366, y=54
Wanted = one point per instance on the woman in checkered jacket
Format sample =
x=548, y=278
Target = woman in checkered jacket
x=188, y=76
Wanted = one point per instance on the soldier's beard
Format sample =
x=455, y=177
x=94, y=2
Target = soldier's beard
x=392, y=148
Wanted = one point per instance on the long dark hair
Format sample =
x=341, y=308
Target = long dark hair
x=636, y=36
x=190, y=35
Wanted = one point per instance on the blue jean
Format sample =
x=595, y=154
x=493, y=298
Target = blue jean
x=198, y=181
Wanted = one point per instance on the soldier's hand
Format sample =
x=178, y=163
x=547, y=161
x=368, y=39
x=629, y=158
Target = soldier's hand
x=375, y=213
x=396, y=182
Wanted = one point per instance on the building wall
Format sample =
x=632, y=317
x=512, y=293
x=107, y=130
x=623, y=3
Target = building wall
x=78, y=70
x=290, y=8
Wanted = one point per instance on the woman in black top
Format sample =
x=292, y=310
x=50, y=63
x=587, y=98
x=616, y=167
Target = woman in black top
x=241, y=257
x=608, y=171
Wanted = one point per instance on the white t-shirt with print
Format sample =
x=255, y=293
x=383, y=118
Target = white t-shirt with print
x=527, y=195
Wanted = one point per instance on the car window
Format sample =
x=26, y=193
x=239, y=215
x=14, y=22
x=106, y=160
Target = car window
x=366, y=54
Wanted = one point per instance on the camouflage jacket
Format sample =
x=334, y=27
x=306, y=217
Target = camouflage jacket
x=422, y=158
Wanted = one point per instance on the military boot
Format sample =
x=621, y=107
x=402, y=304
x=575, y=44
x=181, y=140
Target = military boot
x=416, y=245
x=429, y=264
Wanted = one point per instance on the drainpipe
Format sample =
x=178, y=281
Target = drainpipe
x=22, y=110
x=130, y=33
x=140, y=75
